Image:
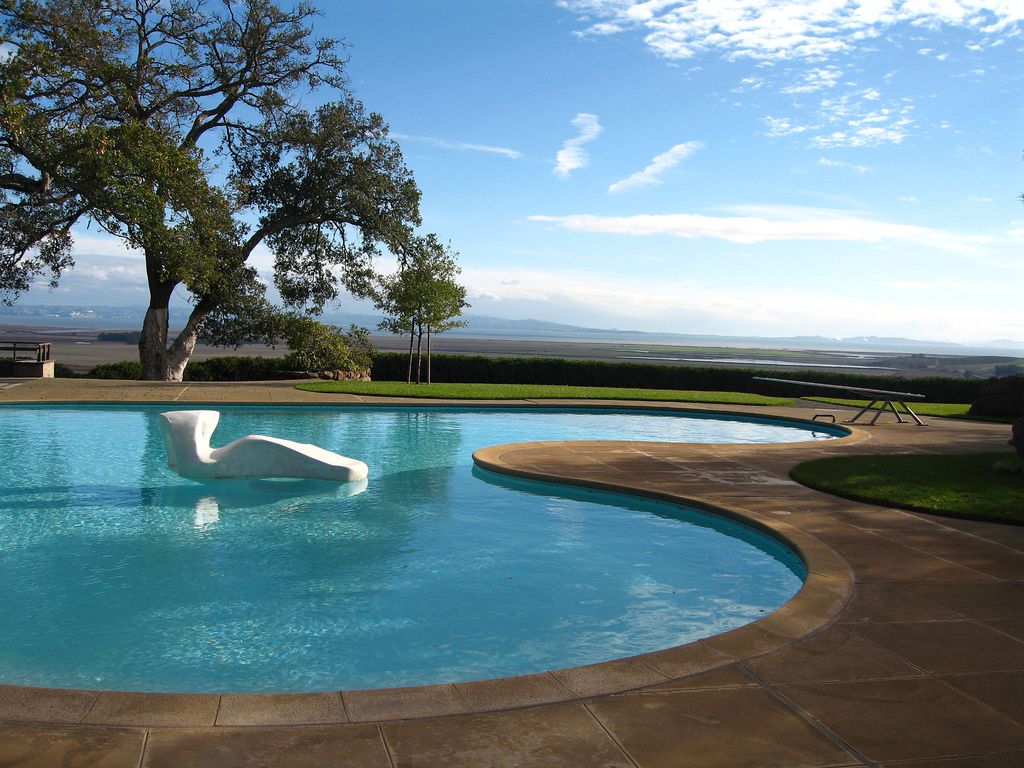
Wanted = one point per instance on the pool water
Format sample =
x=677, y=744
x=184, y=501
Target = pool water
x=115, y=573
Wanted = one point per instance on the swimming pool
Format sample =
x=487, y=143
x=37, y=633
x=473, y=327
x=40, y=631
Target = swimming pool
x=115, y=573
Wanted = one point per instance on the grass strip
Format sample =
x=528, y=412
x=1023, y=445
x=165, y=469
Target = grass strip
x=534, y=392
x=959, y=485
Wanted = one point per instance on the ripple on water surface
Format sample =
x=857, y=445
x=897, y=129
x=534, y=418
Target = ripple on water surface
x=118, y=574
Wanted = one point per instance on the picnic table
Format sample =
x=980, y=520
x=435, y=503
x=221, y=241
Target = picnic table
x=887, y=398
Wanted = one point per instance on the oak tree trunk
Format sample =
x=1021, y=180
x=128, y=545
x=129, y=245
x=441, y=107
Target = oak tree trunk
x=161, y=362
x=153, y=340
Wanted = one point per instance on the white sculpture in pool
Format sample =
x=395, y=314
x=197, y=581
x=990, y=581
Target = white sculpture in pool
x=187, y=438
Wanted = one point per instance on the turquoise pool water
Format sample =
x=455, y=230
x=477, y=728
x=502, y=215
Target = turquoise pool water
x=115, y=573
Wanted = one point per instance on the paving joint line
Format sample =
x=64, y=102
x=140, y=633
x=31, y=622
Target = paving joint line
x=1002, y=715
x=608, y=733
x=807, y=717
x=145, y=743
x=88, y=710
x=216, y=715
x=384, y=743
x=344, y=707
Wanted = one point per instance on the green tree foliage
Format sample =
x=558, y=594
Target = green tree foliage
x=422, y=298
x=316, y=346
x=178, y=126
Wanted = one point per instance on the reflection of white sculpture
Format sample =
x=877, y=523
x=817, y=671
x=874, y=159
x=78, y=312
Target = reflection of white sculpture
x=187, y=438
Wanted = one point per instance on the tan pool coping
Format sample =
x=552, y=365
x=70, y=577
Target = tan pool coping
x=904, y=646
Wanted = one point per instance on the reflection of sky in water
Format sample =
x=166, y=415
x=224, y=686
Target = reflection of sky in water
x=117, y=573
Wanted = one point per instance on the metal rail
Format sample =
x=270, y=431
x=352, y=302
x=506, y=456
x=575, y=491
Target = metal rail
x=886, y=397
x=39, y=349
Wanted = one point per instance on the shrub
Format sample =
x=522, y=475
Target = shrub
x=126, y=369
x=124, y=337
x=315, y=346
x=1000, y=397
x=61, y=371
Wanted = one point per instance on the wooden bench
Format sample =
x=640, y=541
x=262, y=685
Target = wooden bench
x=883, y=396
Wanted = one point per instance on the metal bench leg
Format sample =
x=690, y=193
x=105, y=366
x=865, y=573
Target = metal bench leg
x=914, y=415
x=864, y=410
x=888, y=403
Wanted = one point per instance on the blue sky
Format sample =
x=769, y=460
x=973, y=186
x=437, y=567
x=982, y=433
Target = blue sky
x=770, y=167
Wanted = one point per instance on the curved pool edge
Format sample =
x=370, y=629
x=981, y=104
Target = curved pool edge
x=822, y=597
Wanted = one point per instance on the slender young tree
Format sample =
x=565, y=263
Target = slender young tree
x=422, y=298
x=178, y=126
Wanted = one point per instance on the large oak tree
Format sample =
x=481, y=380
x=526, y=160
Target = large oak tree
x=180, y=127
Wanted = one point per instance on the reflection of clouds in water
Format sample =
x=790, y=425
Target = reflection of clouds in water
x=291, y=584
x=661, y=620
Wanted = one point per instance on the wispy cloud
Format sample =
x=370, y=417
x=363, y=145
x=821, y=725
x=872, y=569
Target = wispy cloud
x=784, y=126
x=758, y=224
x=814, y=80
x=651, y=175
x=671, y=303
x=862, y=119
x=572, y=155
x=784, y=29
x=855, y=167
x=461, y=145
x=859, y=118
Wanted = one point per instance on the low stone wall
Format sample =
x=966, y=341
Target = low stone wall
x=26, y=369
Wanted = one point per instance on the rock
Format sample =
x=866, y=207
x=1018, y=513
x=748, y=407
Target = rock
x=1000, y=397
x=339, y=375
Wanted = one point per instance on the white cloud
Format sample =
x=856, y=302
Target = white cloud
x=461, y=145
x=767, y=224
x=784, y=29
x=815, y=80
x=651, y=175
x=572, y=155
x=860, y=118
x=956, y=286
x=855, y=167
x=783, y=126
x=693, y=306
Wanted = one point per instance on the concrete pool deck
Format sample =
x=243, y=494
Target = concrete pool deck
x=905, y=646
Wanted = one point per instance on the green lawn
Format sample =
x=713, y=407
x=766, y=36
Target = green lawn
x=534, y=392
x=963, y=485
x=953, y=410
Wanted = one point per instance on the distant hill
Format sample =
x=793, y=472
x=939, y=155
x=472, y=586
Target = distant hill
x=486, y=326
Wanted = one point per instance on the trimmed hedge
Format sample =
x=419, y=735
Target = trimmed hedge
x=478, y=369
x=236, y=369
x=391, y=366
x=213, y=369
